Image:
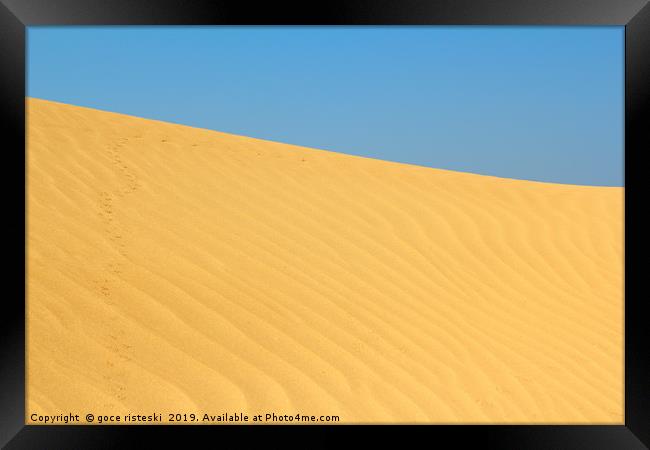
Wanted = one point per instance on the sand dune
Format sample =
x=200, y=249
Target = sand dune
x=176, y=269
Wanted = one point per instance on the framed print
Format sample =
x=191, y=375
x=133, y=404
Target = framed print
x=347, y=213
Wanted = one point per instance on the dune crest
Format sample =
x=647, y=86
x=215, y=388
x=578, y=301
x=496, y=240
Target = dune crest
x=176, y=269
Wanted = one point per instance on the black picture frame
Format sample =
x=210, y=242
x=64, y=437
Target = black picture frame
x=16, y=15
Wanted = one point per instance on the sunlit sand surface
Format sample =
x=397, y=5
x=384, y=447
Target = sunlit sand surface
x=176, y=269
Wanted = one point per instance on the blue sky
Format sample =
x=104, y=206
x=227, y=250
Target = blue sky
x=537, y=103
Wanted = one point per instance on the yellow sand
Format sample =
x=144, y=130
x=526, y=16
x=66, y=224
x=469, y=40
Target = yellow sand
x=176, y=269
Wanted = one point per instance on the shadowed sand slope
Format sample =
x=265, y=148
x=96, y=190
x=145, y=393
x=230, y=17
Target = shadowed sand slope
x=175, y=269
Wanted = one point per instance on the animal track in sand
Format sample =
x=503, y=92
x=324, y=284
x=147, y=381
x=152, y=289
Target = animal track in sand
x=120, y=350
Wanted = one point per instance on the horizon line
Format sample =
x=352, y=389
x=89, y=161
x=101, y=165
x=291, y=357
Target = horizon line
x=27, y=97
